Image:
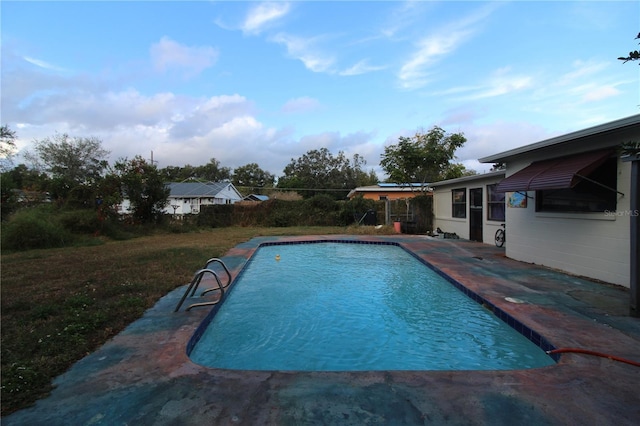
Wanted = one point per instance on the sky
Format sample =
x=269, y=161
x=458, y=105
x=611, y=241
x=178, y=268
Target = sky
x=266, y=82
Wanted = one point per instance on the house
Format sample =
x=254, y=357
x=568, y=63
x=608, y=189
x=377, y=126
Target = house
x=569, y=202
x=189, y=197
x=390, y=191
x=470, y=206
x=256, y=198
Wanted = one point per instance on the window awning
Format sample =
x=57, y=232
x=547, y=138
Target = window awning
x=558, y=173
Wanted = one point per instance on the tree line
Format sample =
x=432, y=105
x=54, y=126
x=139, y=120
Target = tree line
x=74, y=171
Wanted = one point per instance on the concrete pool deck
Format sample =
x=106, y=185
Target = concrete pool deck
x=144, y=377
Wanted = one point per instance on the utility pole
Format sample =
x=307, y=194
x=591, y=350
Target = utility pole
x=152, y=159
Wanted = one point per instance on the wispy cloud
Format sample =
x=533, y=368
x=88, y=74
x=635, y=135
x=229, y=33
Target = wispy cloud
x=600, y=93
x=585, y=82
x=168, y=54
x=581, y=69
x=263, y=15
x=414, y=73
x=43, y=64
x=502, y=82
x=304, y=50
x=404, y=16
x=361, y=67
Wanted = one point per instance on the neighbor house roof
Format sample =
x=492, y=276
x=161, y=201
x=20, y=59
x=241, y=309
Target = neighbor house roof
x=256, y=197
x=388, y=187
x=579, y=137
x=196, y=189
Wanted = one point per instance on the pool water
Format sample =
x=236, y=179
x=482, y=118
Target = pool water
x=335, y=306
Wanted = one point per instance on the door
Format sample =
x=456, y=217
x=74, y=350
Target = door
x=475, y=214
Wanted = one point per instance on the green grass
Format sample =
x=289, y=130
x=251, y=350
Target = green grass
x=59, y=305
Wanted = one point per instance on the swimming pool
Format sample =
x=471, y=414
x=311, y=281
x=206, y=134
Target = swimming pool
x=338, y=306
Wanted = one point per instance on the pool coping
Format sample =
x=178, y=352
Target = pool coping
x=144, y=376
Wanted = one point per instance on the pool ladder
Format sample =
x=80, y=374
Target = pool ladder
x=197, y=278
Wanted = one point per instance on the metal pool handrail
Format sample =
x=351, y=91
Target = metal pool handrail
x=195, y=282
x=212, y=260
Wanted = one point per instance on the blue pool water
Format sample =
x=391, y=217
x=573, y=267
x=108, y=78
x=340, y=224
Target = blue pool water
x=351, y=307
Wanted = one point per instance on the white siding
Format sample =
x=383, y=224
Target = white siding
x=595, y=245
x=442, y=208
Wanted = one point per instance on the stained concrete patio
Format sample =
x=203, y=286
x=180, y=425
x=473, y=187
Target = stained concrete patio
x=144, y=377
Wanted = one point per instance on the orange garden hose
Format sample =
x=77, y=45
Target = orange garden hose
x=588, y=352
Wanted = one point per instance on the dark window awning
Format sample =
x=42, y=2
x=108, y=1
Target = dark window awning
x=558, y=173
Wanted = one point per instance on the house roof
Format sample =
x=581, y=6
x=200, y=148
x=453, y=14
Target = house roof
x=388, y=187
x=393, y=187
x=256, y=197
x=498, y=173
x=196, y=189
x=575, y=137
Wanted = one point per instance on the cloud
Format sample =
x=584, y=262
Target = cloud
x=500, y=83
x=302, y=104
x=178, y=128
x=414, y=73
x=359, y=68
x=306, y=51
x=581, y=69
x=43, y=64
x=497, y=136
x=263, y=15
x=583, y=92
x=405, y=16
x=212, y=113
x=168, y=54
x=600, y=93
x=361, y=143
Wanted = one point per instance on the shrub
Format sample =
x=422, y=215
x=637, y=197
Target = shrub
x=216, y=216
x=352, y=211
x=83, y=221
x=34, y=228
x=322, y=202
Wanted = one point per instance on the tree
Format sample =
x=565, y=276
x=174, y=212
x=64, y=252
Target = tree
x=208, y=172
x=142, y=184
x=319, y=172
x=7, y=146
x=423, y=158
x=212, y=172
x=252, y=176
x=634, y=55
x=70, y=162
x=456, y=170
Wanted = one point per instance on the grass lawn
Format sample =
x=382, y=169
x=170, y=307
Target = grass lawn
x=59, y=305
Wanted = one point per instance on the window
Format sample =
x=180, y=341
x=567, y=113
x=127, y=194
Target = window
x=459, y=203
x=495, y=203
x=383, y=198
x=596, y=193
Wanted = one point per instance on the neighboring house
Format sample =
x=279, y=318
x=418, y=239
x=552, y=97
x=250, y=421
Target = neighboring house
x=253, y=199
x=469, y=206
x=31, y=197
x=256, y=198
x=568, y=202
x=189, y=197
x=390, y=191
